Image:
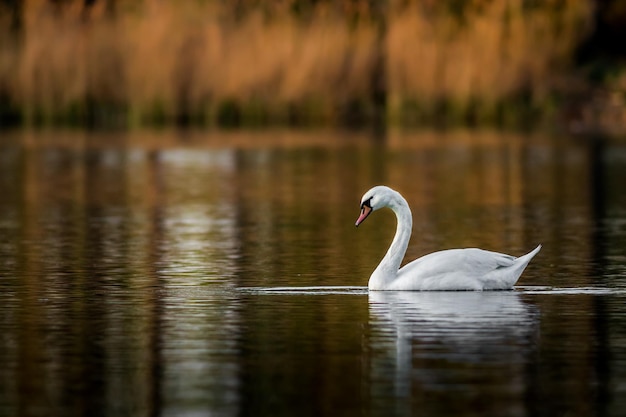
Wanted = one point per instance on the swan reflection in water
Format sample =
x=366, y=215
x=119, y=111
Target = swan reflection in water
x=445, y=352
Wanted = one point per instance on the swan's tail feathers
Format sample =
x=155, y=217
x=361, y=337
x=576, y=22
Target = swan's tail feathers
x=522, y=262
x=530, y=254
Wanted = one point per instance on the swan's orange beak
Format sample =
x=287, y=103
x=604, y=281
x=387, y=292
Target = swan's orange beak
x=365, y=211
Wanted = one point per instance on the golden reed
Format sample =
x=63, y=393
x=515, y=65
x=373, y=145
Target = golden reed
x=166, y=60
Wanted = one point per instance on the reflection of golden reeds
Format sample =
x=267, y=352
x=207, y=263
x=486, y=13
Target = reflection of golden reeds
x=165, y=60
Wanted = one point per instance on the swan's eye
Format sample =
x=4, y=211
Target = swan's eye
x=367, y=203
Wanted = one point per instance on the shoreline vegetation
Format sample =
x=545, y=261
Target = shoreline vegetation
x=122, y=63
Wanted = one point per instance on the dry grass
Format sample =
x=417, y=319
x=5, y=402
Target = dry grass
x=500, y=49
x=166, y=60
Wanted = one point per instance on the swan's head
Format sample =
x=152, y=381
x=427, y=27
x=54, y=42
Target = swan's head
x=376, y=198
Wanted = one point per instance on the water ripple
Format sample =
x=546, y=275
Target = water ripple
x=316, y=290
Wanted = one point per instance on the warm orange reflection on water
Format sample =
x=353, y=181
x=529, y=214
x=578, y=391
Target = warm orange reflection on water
x=121, y=252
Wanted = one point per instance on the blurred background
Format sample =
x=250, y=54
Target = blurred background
x=122, y=63
x=179, y=182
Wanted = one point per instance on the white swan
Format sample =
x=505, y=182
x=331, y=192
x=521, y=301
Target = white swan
x=448, y=270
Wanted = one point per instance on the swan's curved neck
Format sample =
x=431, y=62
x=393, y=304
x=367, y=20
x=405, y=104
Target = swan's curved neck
x=387, y=270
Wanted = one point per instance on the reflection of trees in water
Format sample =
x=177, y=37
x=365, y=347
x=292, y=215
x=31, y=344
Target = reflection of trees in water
x=106, y=235
x=113, y=219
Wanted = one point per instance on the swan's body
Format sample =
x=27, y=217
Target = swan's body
x=448, y=270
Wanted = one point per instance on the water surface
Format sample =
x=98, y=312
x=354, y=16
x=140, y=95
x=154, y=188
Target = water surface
x=220, y=273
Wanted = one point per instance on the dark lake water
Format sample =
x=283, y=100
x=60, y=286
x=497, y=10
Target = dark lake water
x=220, y=274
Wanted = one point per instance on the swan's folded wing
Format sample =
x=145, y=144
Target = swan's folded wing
x=472, y=261
x=490, y=260
x=457, y=269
